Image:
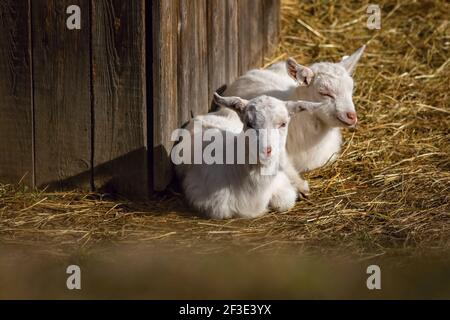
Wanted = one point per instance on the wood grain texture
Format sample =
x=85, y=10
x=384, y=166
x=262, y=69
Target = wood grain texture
x=120, y=118
x=251, y=34
x=165, y=98
x=222, y=35
x=16, y=123
x=192, y=60
x=232, y=40
x=271, y=11
x=62, y=103
x=217, y=45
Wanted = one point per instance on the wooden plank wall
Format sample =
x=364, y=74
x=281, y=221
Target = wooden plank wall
x=62, y=107
x=16, y=111
x=165, y=87
x=215, y=42
x=95, y=108
x=119, y=88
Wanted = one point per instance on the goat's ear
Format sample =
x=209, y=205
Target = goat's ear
x=303, y=75
x=235, y=103
x=300, y=105
x=349, y=63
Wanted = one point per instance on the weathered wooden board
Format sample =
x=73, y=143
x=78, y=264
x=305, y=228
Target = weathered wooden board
x=223, y=46
x=165, y=98
x=62, y=101
x=193, y=96
x=217, y=44
x=271, y=11
x=232, y=40
x=119, y=85
x=16, y=116
x=251, y=34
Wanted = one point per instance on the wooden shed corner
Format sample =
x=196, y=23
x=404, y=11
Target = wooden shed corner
x=94, y=107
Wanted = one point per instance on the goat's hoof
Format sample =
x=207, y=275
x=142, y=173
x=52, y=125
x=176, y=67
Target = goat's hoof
x=304, y=194
x=303, y=188
x=283, y=201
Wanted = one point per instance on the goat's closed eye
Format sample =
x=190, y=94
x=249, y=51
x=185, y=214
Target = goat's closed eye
x=326, y=94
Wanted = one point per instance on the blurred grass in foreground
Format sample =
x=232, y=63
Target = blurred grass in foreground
x=139, y=273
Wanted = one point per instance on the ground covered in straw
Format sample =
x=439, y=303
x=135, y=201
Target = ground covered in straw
x=388, y=193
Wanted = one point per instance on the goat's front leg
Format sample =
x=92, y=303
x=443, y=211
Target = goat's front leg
x=283, y=195
x=297, y=181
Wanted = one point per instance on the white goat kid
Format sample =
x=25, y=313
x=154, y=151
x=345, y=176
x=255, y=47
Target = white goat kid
x=314, y=138
x=242, y=189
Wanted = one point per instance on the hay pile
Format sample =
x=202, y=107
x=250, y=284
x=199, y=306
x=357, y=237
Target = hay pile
x=388, y=193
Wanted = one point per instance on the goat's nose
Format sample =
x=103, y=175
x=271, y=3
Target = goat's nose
x=268, y=151
x=352, y=117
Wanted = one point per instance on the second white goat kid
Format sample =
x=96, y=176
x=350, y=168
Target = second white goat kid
x=241, y=189
x=315, y=137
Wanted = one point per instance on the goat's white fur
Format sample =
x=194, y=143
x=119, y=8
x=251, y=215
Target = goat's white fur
x=314, y=138
x=226, y=191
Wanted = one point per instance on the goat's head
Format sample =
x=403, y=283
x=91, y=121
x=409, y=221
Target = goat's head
x=329, y=81
x=267, y=118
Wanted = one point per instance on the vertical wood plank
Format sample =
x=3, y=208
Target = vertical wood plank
x=120, y=128
x=232, y=40
x=62, y=104
x=217, y=45
x=16, y=131
x=192, y=60
x=222, y=35
x=251, y=34
x=244, y=36
x=165, y=99
x=271, y=25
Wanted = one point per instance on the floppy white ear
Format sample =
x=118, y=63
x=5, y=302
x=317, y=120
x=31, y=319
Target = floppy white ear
x=303, y=75
x=300, y=105
x=350, y=62
x=234, y=103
